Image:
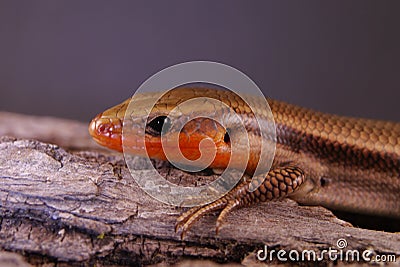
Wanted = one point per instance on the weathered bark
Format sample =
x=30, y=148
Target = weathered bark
x=77, y=203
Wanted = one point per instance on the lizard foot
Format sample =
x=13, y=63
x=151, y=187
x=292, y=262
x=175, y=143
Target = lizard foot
x=279, y=183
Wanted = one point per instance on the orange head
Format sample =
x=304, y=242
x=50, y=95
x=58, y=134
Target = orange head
x=139, y=127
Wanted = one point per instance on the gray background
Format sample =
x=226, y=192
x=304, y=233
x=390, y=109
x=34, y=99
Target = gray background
x=75, y=58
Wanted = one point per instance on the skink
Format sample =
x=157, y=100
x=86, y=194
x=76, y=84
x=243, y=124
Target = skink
x=341, y=163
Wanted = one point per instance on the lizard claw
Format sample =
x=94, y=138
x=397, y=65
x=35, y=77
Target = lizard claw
x=280, y=182
x=226, y=204
x=186, y=220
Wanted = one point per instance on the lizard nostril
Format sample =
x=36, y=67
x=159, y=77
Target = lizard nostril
x=102, y=128
x=93, y=126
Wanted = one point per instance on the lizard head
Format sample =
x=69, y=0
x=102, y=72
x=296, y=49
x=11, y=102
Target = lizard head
x=156, y=115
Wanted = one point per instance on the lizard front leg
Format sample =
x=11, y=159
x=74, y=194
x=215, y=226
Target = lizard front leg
x=280, y=182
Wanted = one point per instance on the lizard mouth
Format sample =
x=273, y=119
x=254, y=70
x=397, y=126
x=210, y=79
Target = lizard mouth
x=106, y=131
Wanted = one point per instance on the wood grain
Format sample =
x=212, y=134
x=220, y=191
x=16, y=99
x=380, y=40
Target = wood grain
x=65, y=200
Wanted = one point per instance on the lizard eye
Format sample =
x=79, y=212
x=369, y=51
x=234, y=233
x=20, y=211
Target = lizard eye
x=155, y=126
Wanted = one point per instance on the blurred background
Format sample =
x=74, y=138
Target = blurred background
x=73, y=59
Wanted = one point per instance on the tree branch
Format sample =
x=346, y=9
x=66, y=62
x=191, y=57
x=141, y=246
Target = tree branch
x=75, y=202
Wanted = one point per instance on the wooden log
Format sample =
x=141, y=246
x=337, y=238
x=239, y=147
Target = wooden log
x=66, y=200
